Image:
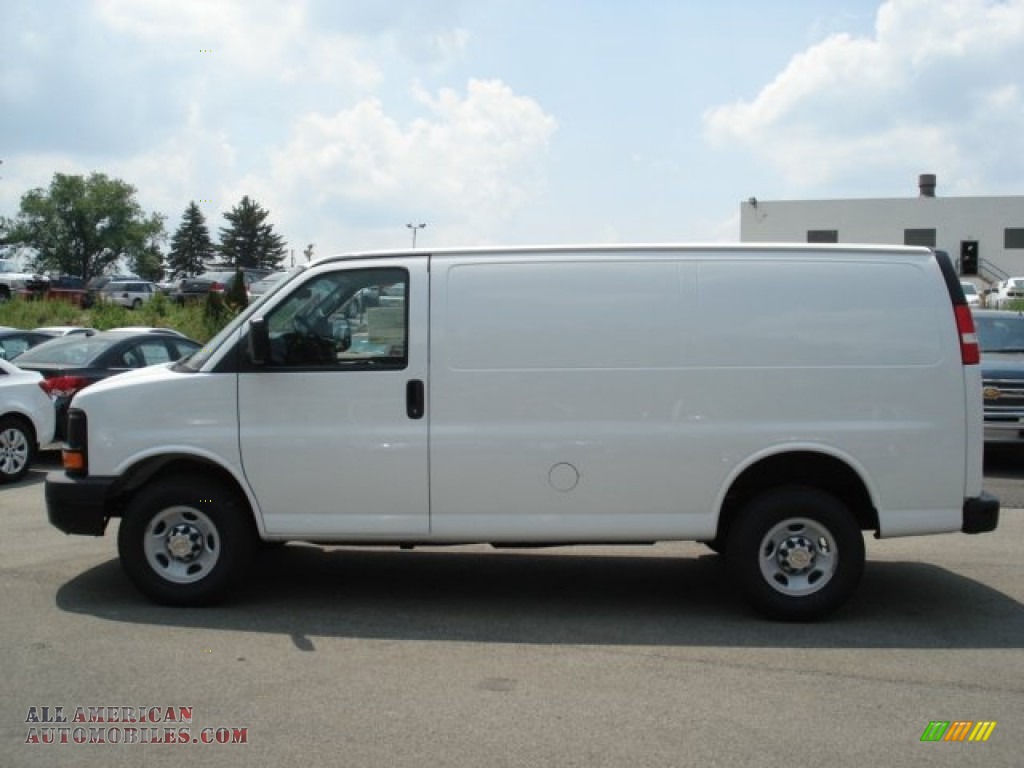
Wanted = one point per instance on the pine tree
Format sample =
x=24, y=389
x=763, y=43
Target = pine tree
x=249, y=241
x=191, y=247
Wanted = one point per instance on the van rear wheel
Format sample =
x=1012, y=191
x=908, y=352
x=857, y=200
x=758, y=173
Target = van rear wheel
x=185, y=540
x=796, y=553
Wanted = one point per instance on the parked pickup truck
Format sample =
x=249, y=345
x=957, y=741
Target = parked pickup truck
x=1001, y=335
x=14, y=281
x=60, y=288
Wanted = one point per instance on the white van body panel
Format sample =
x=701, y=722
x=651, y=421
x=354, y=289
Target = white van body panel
x=155, y=411
x=590, y=397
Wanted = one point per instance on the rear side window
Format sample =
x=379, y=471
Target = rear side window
x=154, y=352
x=12, y=347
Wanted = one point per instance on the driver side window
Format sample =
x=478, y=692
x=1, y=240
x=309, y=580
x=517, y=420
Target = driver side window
x=345, y=320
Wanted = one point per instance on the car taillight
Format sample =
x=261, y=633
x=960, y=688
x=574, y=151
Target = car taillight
x=217, y=287
x=970, y=352
x=64, y=386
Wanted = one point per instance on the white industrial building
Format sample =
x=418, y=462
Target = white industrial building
x=983, y=235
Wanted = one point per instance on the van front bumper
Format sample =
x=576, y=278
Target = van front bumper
x=78, y=504
x=981, y=514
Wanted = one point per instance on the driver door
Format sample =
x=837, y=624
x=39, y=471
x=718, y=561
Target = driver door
x=332, y=428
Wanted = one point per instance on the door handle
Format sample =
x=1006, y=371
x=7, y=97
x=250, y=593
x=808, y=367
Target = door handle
x=414, y=399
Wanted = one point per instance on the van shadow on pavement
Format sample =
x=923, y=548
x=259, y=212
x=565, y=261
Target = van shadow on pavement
x=550, y=598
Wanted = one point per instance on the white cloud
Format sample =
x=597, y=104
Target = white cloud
x=290, y=106
x=937, y=88
x=227, y=39
x=471, y=161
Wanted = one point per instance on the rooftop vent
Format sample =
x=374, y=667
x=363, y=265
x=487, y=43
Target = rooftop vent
x=926, y=184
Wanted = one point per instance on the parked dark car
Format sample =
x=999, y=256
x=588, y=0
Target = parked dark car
x=198, y=287
x=71, y=363
x=264, y=284
x=13, y=342
x=1001, y=337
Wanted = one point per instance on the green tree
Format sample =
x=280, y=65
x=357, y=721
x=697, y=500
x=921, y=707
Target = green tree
x=249, y=241
x=236, y=297
x=83, y=225
x=191, y=246
x=149, y=263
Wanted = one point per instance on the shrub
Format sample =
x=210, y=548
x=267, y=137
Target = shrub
x=22, y=313
x=195, y=321
x=237, y=298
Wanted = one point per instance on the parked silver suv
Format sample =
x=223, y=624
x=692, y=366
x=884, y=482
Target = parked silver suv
x=129, y=293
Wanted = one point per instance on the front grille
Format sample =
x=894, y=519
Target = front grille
x=1004, y=399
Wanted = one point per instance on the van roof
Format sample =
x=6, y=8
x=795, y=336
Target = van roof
x=746, y=249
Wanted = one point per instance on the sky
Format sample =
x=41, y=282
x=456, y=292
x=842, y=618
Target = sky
x=510, y=121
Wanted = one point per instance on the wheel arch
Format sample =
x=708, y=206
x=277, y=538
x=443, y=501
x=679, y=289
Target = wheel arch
x=812, y=467
x=27, y=420
x=152, y=468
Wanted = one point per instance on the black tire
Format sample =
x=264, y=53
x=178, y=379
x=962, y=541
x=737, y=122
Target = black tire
x=796, y=553
x=137, y=304
x=17, y=448
x=186, y=541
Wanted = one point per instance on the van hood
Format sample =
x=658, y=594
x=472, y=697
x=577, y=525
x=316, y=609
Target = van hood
x=161, y=372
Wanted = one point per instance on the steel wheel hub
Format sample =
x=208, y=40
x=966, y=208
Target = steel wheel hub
x=796, y=554
x=798, y=557
x=184, y=542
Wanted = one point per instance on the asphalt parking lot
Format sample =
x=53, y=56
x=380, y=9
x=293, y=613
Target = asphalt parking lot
x=471, y=657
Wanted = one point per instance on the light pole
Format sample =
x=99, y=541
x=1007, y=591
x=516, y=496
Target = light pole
x=415, y=228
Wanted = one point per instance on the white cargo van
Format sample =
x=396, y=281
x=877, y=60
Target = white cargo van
x=773, y=401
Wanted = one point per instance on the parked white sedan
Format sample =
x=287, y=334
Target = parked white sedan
x=27, y=419
x=971, y=293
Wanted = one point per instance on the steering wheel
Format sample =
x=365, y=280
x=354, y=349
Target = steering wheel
x=308, y=345
x=304, y=326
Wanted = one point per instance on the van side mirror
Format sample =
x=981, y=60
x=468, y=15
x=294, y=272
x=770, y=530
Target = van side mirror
x=259, y=341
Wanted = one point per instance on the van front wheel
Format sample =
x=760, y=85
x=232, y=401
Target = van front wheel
x=185, y=540
x=797, y=553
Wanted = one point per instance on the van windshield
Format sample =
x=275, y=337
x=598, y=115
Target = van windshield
x=195, y=362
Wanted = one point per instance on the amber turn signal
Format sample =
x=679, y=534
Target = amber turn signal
x=73, y=461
